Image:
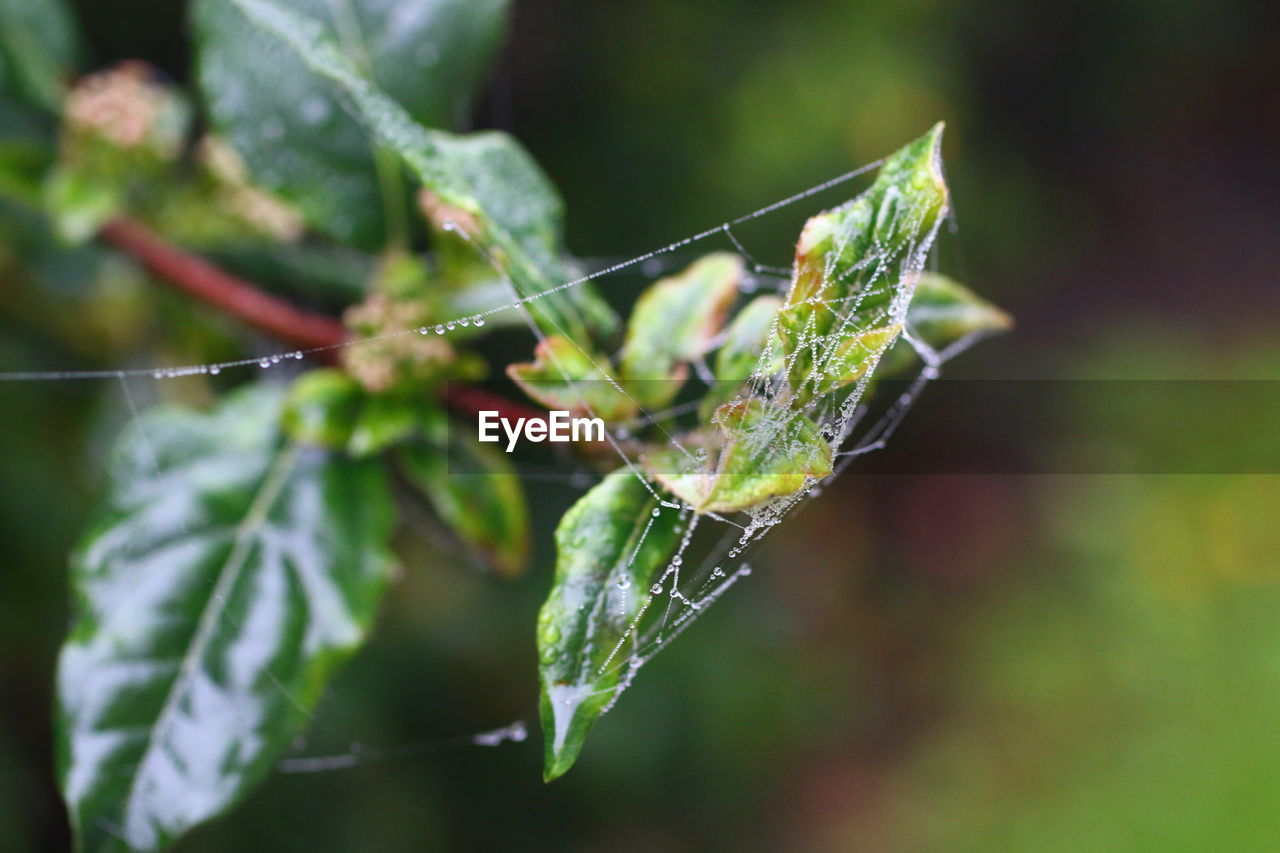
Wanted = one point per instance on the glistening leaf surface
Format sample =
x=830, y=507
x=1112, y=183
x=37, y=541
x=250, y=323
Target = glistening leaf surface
x=608, y=547
x=290, y=124
x=226, y=577
x=485, y=184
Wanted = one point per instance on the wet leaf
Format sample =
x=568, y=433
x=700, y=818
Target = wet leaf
x=855, y=264
x=942, y=312
x=673, y=322
x=476, y=491
x=485, y=185
x=292, y=126
x=761, y=452
x=564, y=377
x=227, y=575
x=608, y=547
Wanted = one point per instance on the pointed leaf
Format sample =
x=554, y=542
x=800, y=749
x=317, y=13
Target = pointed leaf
x=674, y=321
x=291, y=125
x=764, y=452
x=608, y=547
x=228, y=574
x=855, y=265
x=942, y=312
x=486, y=184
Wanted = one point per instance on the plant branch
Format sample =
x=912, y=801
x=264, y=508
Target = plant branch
x=196, y=277
x=244, y=300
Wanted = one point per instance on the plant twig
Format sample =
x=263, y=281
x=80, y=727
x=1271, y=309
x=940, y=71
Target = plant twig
x=246, y=301
x=199, y=278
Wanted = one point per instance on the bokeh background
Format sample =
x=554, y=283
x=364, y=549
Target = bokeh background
x=1059, y=659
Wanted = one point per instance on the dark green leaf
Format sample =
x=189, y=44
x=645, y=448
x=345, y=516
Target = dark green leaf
x=476, y=491
x=291, y=125
x=226, y=577
x=37, y=51
x=608, y=547
x=484, y=185
x=674, y=322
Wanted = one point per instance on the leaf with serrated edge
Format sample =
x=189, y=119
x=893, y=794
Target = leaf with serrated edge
x=608, y=547
x=226, y=577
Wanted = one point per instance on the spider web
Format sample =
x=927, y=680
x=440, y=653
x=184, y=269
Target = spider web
x=711, y=557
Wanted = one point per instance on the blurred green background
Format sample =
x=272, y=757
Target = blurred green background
x=920, y=662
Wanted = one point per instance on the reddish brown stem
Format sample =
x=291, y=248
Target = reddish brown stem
x=242, y=299
x=211, y=285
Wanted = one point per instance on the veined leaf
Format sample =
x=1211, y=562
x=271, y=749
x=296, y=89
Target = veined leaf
x=562, y=376
x=291, y=125
x=228, y=574
x=486, y=184
x=764, y=452
x=608, y=546
x=476, y=491
x=855, y=264
x=674, y=321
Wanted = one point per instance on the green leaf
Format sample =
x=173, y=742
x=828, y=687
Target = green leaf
x=322, y=408
x=855, y=264
x=674, y=321
x=942, y=312
x=484, y=185
x=764, y=452
x=564, y=377
x=38, y=51
x=738, y=358
x=476, y=491
x=292, y=127
x=384, y=419
x=608, y=547
x=226, y=577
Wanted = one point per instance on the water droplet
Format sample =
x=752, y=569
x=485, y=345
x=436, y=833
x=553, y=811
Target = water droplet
x=159, y=374
x=423, y=330
x=677, y=560
x=450, y=326
x=656, y=512
x=717, y=572
x=656, y=589
x=439, y=330
x=215, y=370
x=264, y=363
x=479, y=321
x=298, y=355
x=624, y=582
x=465, y=321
